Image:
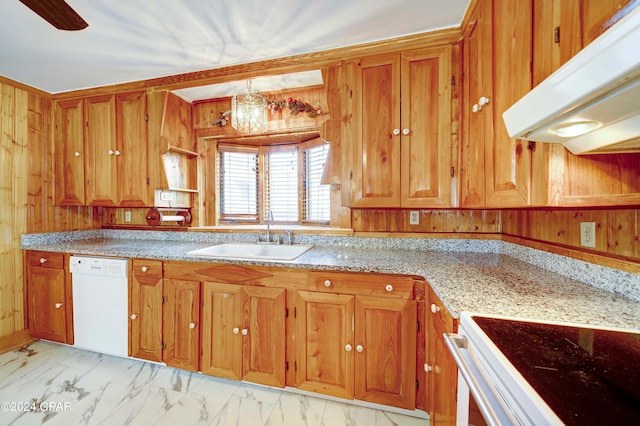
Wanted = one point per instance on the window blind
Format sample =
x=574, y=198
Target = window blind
x=281, y=185
x=239, y=184
x=316, y=202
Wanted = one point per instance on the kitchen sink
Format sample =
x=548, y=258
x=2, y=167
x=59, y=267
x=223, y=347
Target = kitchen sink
x=253, y=251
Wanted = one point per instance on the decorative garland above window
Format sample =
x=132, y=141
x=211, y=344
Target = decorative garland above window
x=293, y=105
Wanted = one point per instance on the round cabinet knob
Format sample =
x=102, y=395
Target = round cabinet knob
x=133, y=316
x=245, y=331
x=58, y=305
x=475, y=108
x=435, y=308
x=192, y=325
x=389, y=288
x=396, y=132
x=144, y=269
x=116, y=152
x=348, y=348
x=236, y=330
x=42, y=260
x=427, y=368
x=110, y=152
x=483, y=101
x=405, y=132
x=359, y=348
x=327, y=283
x=76, y=154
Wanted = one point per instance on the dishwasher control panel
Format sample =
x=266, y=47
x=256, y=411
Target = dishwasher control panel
x=101, y=266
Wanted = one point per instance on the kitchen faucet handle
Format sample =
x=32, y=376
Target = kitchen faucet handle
x=289, y=236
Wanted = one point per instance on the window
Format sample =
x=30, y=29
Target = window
x=282, y=179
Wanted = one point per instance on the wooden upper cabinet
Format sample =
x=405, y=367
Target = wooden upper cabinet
x=100, y=140
x=131, y=152
x=426, y=127
x=69, y=153
x=496, y=169
x=600, y=15
x=477, y=123
x=508, y=160
x=397, y=138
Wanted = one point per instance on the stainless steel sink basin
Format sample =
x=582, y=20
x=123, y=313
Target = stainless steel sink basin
x=253, y=251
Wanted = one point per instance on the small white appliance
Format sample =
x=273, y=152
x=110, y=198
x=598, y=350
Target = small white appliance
x=100, y=304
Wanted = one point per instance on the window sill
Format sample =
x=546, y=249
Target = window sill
x=277, y=229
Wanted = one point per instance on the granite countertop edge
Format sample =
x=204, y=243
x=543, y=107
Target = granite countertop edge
x=486, y=281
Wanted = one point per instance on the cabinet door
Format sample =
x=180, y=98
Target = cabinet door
x=145, y=311
x=181, y=328
x=477, y=83
x=264, y=335
x=385, y=359
x=426, y=128
x=100, y=139
x=374, y=175
x=221, y=330
x=131, y=155
x=507, y=160
x=325, y=343
x=47, y=305
x=69, y=153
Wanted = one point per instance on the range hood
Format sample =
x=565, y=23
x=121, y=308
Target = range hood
x=591, y=104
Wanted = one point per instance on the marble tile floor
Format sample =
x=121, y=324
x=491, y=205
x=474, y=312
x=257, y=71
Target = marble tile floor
x=70, y=386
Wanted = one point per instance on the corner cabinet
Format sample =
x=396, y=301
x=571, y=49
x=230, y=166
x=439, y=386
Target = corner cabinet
x=396, y=129
x=50, y=307
x=495, y=169
x=441, y=369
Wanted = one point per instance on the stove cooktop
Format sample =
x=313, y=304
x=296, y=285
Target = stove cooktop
x=587, y=376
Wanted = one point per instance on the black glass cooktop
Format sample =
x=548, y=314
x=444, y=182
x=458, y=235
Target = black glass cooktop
x=586, y=376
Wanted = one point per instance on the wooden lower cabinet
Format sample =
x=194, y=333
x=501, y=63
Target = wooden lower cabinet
x=49, y=302
x=357, y=346
x=181, y=323
x=243, y=333
x=145, y=310
x=443, y=372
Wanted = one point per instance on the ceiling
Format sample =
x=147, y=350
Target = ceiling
x=137, y=40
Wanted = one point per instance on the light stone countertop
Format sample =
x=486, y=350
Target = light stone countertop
x=468, y=275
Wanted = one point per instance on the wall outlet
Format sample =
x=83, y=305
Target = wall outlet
x=588, y=234
x=127, y=215
x=166, y=196
x=414, y=217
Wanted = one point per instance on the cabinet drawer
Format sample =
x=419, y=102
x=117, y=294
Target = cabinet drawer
x=396, y=286
x=45, y=259
x=144, y=267
x=440, y=315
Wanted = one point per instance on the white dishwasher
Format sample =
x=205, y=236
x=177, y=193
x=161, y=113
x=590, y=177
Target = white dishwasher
x=100, y=304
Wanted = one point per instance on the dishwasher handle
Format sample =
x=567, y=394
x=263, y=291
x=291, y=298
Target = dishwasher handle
x=456, y=345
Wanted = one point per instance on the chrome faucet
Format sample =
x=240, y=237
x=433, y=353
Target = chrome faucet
x=269, y=220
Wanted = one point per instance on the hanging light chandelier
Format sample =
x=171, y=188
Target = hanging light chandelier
x=249, y=111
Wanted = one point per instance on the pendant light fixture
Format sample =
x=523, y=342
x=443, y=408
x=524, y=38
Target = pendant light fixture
x=249, y=111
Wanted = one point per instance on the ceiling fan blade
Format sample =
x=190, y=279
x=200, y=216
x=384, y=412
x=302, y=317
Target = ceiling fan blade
x=58, y=13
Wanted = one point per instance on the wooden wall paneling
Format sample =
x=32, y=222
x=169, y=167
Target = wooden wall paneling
x=14, y=135
x=623, y=236
x=599, y=15
x=39, y=150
